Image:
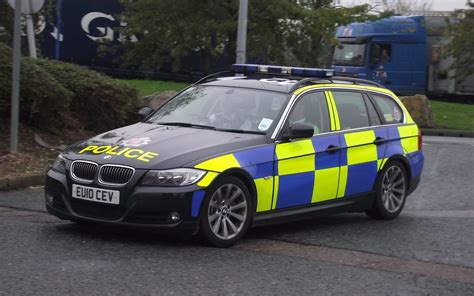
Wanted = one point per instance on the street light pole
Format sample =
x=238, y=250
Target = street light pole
x=30, y=31
x=242, y=32
x=15, y=108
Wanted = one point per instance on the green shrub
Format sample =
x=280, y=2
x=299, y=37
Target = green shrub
x=44, y=102
x=57, y=95
x=99, y=102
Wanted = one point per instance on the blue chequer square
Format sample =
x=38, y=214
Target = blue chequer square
x=361, y=178
x=295, y=190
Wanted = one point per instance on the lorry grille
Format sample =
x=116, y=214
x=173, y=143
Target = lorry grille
x=83, y=170
x=115, y=174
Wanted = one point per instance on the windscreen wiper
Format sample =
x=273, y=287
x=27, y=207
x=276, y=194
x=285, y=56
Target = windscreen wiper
x=240, y=131
x=187, y=124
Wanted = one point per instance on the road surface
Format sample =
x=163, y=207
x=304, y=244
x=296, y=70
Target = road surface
x=427, y=250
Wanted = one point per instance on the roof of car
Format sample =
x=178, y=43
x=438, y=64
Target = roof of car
x=264, y=83
x=285, y=85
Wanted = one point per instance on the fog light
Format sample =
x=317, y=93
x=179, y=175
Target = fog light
x=49, y=198
x=175, y=217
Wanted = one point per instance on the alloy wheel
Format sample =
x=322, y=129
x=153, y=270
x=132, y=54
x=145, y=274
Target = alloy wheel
x=393, y=189
x=227, y=211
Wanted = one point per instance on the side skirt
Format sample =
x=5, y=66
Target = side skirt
x=356, y=203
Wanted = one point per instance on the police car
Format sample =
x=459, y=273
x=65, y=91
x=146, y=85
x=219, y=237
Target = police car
x=252, y=146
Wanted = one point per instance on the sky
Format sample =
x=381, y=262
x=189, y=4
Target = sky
x=438, y=5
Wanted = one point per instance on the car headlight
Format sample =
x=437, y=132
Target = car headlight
x=174, y=177
x=59, y=164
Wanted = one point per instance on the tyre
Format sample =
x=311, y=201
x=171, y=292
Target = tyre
x=226, y=212
x=390, y=192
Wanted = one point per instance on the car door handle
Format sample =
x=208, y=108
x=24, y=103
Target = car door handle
x=379, y=140
x=332, y=148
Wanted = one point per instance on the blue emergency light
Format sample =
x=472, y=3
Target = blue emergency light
x=281, y=70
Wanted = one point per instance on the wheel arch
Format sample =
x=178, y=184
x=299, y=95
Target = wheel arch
x=406, y=165
x=243, y=176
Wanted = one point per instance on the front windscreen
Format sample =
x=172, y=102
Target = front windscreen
x=222, y=108
x=349, y=54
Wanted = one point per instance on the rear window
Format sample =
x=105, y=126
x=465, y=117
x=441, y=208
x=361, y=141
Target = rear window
x=391, y=112
x=351, y=109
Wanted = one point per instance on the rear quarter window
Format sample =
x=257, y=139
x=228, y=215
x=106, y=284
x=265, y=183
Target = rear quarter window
x=391, y=111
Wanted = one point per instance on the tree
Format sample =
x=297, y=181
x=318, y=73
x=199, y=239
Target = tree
x=402, y=6
x=318, y=20
x=6, y=22
x=279, y=31
x=460, y=46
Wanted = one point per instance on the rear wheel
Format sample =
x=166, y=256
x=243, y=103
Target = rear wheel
x=226, y=212
x=391, y=191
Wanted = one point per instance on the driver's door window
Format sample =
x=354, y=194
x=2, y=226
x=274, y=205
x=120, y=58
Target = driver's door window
x=312, y=109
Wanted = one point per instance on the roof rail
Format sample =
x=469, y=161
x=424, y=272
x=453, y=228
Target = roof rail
x=213, y=75
x=358, y=81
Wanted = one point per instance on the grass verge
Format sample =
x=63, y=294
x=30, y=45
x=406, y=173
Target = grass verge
x=453, y=115
x=147, y=87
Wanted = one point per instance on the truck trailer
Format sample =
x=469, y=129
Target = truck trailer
x=404, y=53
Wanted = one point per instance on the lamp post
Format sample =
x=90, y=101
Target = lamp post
x=242, y=32
x=15, y=106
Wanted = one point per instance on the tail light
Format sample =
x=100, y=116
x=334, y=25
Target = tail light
x=420, y=140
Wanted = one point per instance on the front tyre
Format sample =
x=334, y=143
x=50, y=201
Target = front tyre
x=391, y=191
x=226, y=212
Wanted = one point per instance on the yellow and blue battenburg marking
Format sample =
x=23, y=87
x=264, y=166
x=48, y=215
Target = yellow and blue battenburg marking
x=257, y=162
x=302, y=172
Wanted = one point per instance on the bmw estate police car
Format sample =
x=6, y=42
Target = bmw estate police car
x=260, y=144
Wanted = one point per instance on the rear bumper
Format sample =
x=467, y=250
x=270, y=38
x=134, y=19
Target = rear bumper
x=140, y=206
x=414, y=182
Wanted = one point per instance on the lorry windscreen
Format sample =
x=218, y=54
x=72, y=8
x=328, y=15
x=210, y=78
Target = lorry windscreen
x=349, y=54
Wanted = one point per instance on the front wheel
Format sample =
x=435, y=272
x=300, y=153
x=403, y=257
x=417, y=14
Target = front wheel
x=391, y=192
x=226, y=212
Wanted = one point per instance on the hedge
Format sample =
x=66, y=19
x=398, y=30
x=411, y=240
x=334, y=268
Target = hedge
x=57, y=95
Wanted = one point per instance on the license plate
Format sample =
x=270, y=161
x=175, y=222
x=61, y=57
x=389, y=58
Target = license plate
x=96, y=194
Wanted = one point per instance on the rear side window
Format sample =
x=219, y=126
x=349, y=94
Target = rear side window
x=373, y=116
x=351, y=109
x=391, y=112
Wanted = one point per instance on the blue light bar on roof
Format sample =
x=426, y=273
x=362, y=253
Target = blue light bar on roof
x=281, y=70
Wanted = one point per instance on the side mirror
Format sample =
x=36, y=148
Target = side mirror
x=145, y=112
x=300, y=130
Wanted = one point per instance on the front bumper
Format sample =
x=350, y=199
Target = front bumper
x=143, y=206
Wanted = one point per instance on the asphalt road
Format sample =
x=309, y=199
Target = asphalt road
x=427, y=250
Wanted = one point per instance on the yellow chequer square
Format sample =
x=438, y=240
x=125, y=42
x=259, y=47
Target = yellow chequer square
x=325, y=184
x=219, y=164
x=410, y=144
x=359, y=138
x=341, y=190
x=264, y=193
x=296, y=165
x=363, y=152
x=293, y=149
x=409, y=138
x=207, y=180
x=408, y=131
